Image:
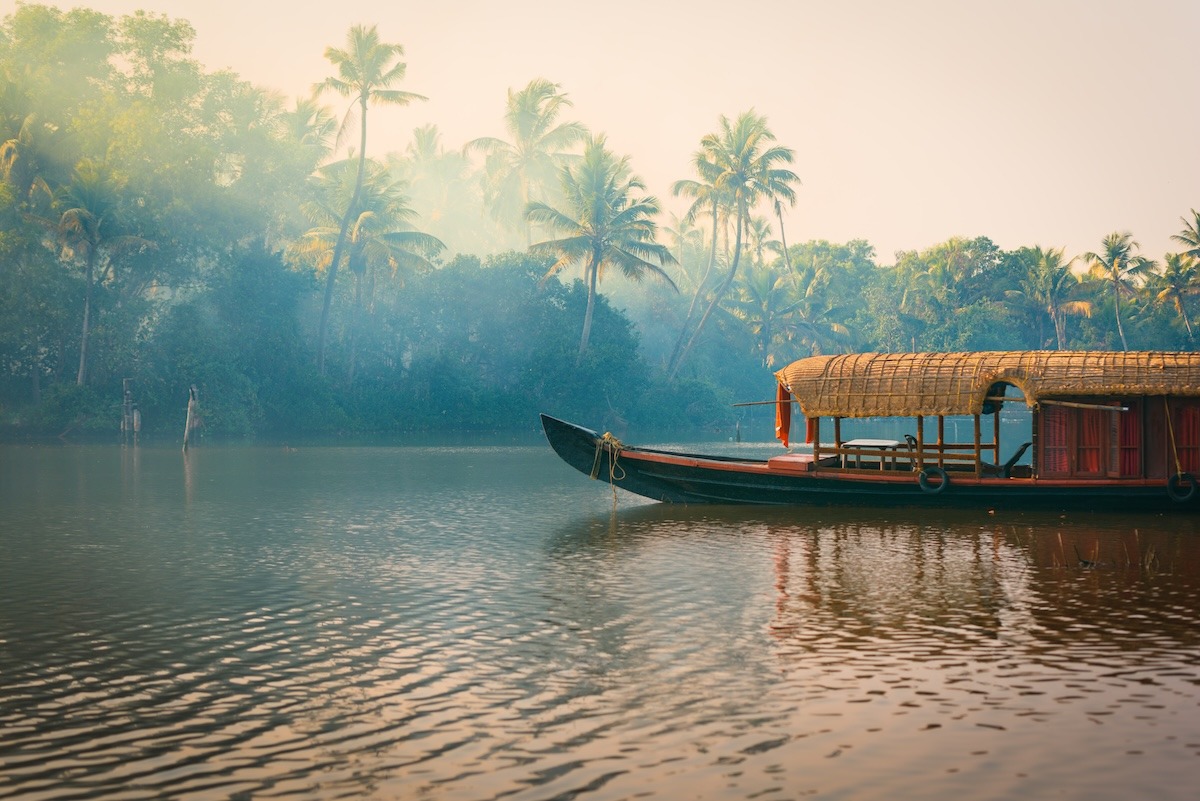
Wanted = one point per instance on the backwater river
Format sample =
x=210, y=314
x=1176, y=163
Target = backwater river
x=473, y=623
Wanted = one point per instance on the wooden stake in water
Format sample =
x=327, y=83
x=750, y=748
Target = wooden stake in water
x=126, y=412
x=192, y=415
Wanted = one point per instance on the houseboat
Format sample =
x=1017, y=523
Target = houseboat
x=1107, y=430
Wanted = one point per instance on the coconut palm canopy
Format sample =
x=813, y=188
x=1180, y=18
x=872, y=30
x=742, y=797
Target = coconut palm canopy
x=911, y=384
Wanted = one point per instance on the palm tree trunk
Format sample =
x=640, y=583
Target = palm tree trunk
x=687, y=321
x=354, y=329
x=1186, y=322
x=717, y=297
x=330, y=278
x=766, y=340
x=1117, y=307
x=1060, y=328
x=81, y=376
x=593, y=274
x=787, y=257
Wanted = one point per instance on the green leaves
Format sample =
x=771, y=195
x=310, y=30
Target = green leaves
x=366, y=70
x=526, y=167
x=739, y=167
x=605, y=221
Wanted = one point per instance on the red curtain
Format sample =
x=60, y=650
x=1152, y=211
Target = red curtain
x=1053, y=434
x=1091, y=441
x=783, y=414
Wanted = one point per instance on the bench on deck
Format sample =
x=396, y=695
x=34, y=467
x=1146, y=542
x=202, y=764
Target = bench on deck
x=799, y=462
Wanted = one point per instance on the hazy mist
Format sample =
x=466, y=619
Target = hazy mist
x=1029, y=122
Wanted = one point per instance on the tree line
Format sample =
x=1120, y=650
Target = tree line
x=173, y=227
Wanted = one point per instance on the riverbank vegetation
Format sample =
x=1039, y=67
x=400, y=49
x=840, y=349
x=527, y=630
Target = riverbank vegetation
x=174, y=228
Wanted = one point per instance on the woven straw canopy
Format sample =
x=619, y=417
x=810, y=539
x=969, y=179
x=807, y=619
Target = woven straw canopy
x=911, y=384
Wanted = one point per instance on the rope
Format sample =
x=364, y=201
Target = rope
x=615, y=472
x=1171, y=430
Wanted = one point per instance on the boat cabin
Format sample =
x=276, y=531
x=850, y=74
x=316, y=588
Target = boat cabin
x=1095, y=416
x=1143, y=436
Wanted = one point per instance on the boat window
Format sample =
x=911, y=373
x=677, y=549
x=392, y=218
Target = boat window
x=1091, y=438
x=1130, y=438
x=1089, y=454
x=1054, y=445
x=1187, y=435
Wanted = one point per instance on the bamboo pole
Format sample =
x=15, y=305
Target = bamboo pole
x=764, y=403
x=1071, y=404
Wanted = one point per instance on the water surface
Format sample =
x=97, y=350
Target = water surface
x=479, y=623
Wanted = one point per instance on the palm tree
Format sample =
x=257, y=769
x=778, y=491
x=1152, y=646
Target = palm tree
x=605, y=222
x=367, y=68
x=430, y=170
x=381, y=235
x=814, y=320
x=1121, y=268
x=442, y=189
x=684, y=237
x=1050, y=287
x=85, y=206
x=1179, y=279
x=19, y=165
x=707, y=198
x=762, y=298
x=86, y=209
x=741, y=161
x=522, y=170
x=311, y=126
x=1190, y=235
x=758, y=239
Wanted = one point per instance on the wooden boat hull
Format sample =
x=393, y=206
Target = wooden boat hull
x=673, y=477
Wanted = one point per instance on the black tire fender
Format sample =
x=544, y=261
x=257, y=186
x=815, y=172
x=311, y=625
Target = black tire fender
x=1181, y=487
x=943, y=480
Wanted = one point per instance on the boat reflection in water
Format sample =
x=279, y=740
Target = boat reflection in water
x=944, y=655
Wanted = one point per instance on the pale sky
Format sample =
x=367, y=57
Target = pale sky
x=1032, y=122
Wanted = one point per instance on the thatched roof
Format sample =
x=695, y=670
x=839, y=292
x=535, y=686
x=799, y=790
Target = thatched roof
x=910, y=384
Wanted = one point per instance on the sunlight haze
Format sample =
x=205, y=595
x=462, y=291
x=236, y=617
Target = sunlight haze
x=1031, y=123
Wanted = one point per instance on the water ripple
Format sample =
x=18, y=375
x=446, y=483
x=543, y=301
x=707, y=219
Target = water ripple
x=468, y=641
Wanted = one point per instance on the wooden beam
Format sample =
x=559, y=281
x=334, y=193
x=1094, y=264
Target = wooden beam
x=1072, y=404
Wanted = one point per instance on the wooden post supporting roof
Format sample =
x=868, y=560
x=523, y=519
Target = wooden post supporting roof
x=978, y=447
x=920, y=442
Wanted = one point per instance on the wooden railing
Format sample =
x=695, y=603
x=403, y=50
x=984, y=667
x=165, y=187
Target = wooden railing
x=901, y=456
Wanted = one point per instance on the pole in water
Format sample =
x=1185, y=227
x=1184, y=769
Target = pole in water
x=126, y=411
x=191, y=416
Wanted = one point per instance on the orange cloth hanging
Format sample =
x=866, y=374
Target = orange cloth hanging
x=810, y=429
x=783, y=414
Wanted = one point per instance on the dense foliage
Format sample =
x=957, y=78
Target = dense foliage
x=179, y=228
